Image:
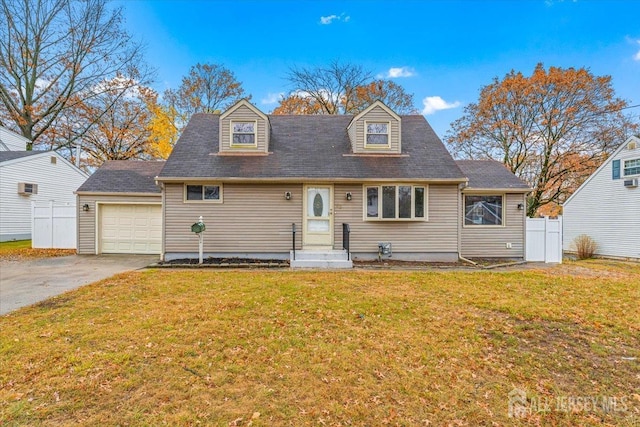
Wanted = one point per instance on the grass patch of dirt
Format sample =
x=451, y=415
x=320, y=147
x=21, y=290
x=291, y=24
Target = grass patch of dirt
x=297, y=348
x=21, y=250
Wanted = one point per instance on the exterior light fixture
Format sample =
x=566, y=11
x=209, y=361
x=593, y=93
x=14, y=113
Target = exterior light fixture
x=287, y=195
x=520, y=206
x=349, y=195
x=85, y=207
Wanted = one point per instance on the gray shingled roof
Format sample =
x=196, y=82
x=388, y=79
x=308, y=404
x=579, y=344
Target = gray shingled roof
x=5, y=156
x=124, y=176
x=489, y=174
x=310, y=147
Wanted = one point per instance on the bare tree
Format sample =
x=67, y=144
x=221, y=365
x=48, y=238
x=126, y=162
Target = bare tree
x=207, y=88
x=54, y=54
x=332, y=88
x=341, y=89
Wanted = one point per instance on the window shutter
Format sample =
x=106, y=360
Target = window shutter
x=616, y=169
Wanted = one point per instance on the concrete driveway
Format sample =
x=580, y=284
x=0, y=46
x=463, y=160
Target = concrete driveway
x=27, y=282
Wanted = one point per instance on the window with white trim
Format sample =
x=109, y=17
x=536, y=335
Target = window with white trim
x=395, y=202
x=632, y=167
x=483, y=210
x=243, y=133
x=203, y=193
x=376, y=134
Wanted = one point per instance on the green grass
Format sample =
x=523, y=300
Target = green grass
x=14, y=245
x=297, y=348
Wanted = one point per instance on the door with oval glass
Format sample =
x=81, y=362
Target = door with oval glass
x=318, y=216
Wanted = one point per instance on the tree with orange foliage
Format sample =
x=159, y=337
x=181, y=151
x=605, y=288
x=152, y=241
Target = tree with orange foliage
x=552, y=129
x=392, y=94
x=123, y=126
x=297, y=103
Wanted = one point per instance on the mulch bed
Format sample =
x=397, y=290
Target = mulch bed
x=482, y=263
x=224, y=263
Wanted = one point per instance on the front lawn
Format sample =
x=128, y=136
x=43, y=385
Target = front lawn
x=283, y=348
x=21, y=249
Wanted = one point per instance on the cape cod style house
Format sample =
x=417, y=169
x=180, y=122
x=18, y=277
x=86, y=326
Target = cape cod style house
x=606, y=207
x=344, y=184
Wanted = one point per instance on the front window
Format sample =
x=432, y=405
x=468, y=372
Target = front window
x=483, y=210
x=211, y=193
x=395, y=202
x=632, y=167
x=243, y=133
x=377, y=134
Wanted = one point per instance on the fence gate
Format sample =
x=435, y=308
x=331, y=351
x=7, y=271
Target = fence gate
x=544, y=240
x=53, y=226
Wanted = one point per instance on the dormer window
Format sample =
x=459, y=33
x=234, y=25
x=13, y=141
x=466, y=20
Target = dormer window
x=376, y=134
x=243, y=134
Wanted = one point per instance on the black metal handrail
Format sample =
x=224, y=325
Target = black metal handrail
x=293, y=239
x=346, y=231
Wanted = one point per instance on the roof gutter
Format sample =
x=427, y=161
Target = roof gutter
x=309, y=179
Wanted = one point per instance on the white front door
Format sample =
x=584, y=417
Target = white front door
x=318, y=216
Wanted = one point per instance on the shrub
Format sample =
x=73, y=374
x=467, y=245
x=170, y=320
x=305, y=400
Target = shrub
x=585, y=246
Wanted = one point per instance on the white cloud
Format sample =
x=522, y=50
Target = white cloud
x=436, y=103
x=327, y=20
x=637, y=55
x=396, y=72
x=272, y=98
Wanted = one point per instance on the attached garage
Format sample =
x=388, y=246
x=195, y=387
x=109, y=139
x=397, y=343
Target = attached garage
x=130, y=229
x=120, y=209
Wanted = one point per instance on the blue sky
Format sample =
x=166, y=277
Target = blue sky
x=441, y=51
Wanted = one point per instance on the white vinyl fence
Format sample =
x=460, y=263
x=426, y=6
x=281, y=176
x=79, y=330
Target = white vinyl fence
x=53, y=226
x=544, y=240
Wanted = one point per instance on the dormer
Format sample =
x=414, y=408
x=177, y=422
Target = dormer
x=376, y=130
x=244, y=130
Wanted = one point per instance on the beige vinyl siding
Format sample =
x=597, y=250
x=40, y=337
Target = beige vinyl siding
x=87, y=231
x=377, y=114
x=244, y=113
x=490, y=242
x=437, y=235
x=253, y=218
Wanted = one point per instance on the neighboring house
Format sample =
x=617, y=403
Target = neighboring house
x=120, y=209
x=11, y=141
x=606, y=207
x=251, y=176
x=31, y=176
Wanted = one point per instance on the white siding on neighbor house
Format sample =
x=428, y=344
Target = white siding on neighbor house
x=89, y=227
x=607, y=211
x=244, y=113
x=376, y=114
x=491, y=242
x=56, y=182
x=12, y=141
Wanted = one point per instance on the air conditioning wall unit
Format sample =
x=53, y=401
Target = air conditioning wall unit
x=27, y=188
x=631, y=183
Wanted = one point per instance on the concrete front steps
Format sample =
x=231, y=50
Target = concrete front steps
x=320, y=259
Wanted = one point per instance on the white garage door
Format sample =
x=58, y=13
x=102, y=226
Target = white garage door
x=131, y=229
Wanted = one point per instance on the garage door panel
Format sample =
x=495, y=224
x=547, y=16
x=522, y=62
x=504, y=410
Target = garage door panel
x=131, y=229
